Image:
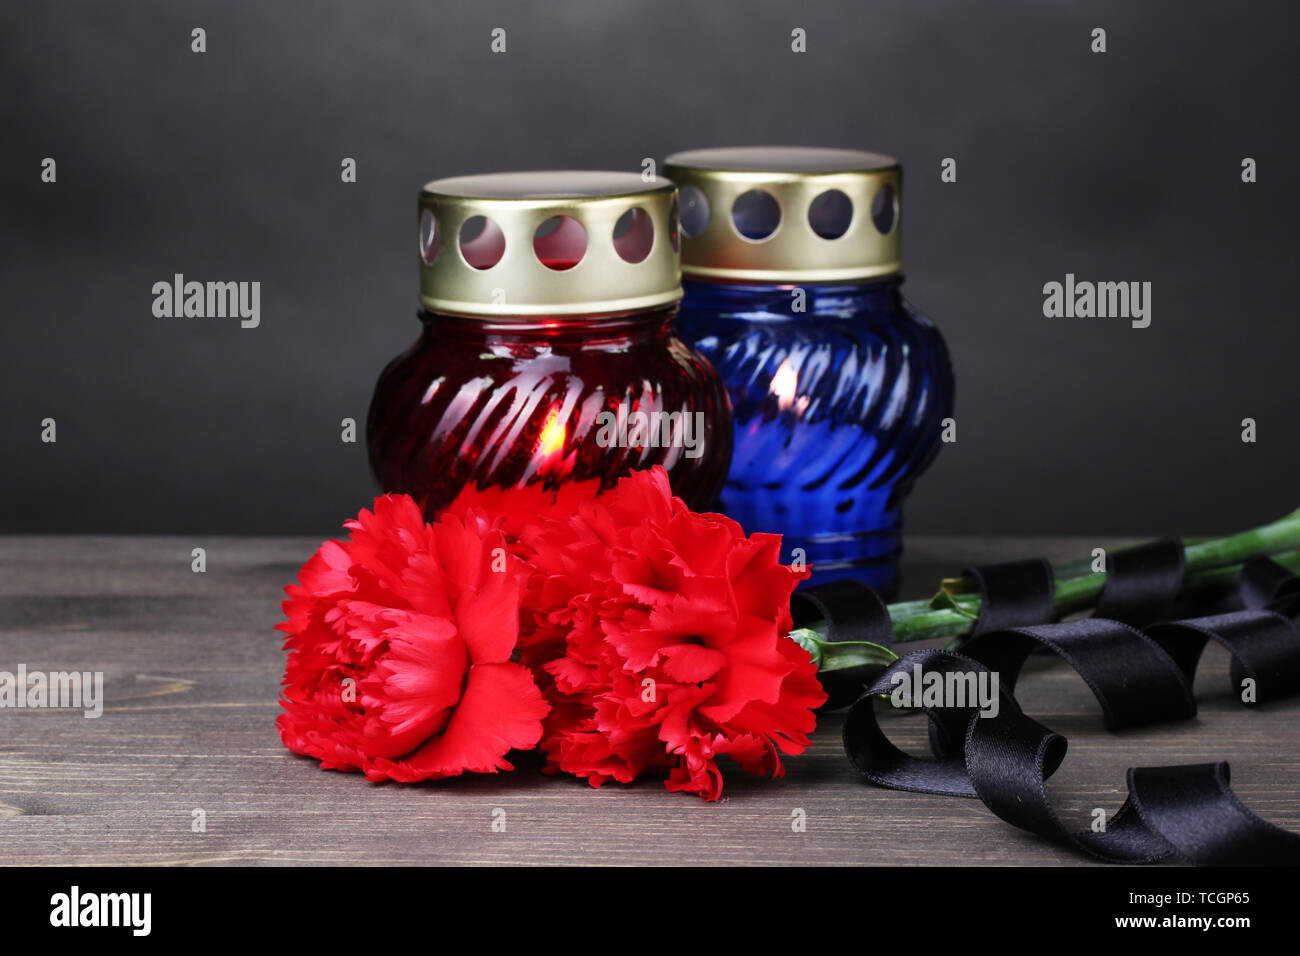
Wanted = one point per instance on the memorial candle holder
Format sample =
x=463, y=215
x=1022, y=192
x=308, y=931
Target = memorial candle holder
x=792, y=268
x=547, y=352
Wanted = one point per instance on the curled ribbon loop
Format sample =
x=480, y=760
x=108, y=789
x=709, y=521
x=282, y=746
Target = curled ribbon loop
x=1016, y=592
x=1004, y=757
x=1010, y=756
x=1263, y=646
x=1266, y=585
x=853, y=611
x=1139, y=676
x=884, y=764
x=1170, y=800
x=1142, y=583
x=1132, y=676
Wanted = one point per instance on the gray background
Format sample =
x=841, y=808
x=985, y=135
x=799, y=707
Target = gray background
x=1123, y=166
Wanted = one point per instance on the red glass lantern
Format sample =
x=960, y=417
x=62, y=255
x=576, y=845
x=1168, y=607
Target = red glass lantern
x=547, y=351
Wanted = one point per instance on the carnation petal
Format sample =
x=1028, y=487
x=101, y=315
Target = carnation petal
x=501, y=710
x=692, y=662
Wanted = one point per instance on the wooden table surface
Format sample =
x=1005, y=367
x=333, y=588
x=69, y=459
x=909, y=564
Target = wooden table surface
x=192, y=667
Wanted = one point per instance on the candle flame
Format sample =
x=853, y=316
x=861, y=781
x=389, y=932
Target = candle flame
x=784, y=384
x=552, y=438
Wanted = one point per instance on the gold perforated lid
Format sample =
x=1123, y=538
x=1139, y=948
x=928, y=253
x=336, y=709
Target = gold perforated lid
x=788, y=213
x=563, y=242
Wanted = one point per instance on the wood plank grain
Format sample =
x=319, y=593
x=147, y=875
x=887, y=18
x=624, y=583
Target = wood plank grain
x=192, y=667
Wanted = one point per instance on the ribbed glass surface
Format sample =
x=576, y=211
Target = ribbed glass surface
x=837, y=409
x=514, y=403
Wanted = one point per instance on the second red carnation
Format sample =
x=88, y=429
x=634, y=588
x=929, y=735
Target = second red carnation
x=663, y=634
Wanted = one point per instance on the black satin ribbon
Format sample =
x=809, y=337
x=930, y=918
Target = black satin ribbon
x=1263, y=645
x=1138, y=677
x=853, y=611
x=1012, y=593
x=1142, y=583
x=1131, y=675
x=1265, y=584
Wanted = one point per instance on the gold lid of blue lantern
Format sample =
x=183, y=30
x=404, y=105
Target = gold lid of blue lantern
x=788, y=213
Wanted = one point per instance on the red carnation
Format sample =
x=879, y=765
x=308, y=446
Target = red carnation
x=400, y=641
x=663, y=632
x=514, y=509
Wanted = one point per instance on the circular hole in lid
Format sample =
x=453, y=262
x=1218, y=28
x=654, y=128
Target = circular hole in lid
x=756, y=214
x=830, y=214
x=482, y=242
x=694, y=210
x=884, y=209
x=634, y=235
x=560, y=243
x=430, y=239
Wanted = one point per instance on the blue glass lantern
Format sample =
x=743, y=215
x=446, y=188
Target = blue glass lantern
x=791, y=268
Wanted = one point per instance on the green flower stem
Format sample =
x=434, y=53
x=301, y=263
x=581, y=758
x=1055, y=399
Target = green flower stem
x=1072, y=596
x=1198, y=555
x=905, y=609
x=1078, y=568
x=832, y=656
